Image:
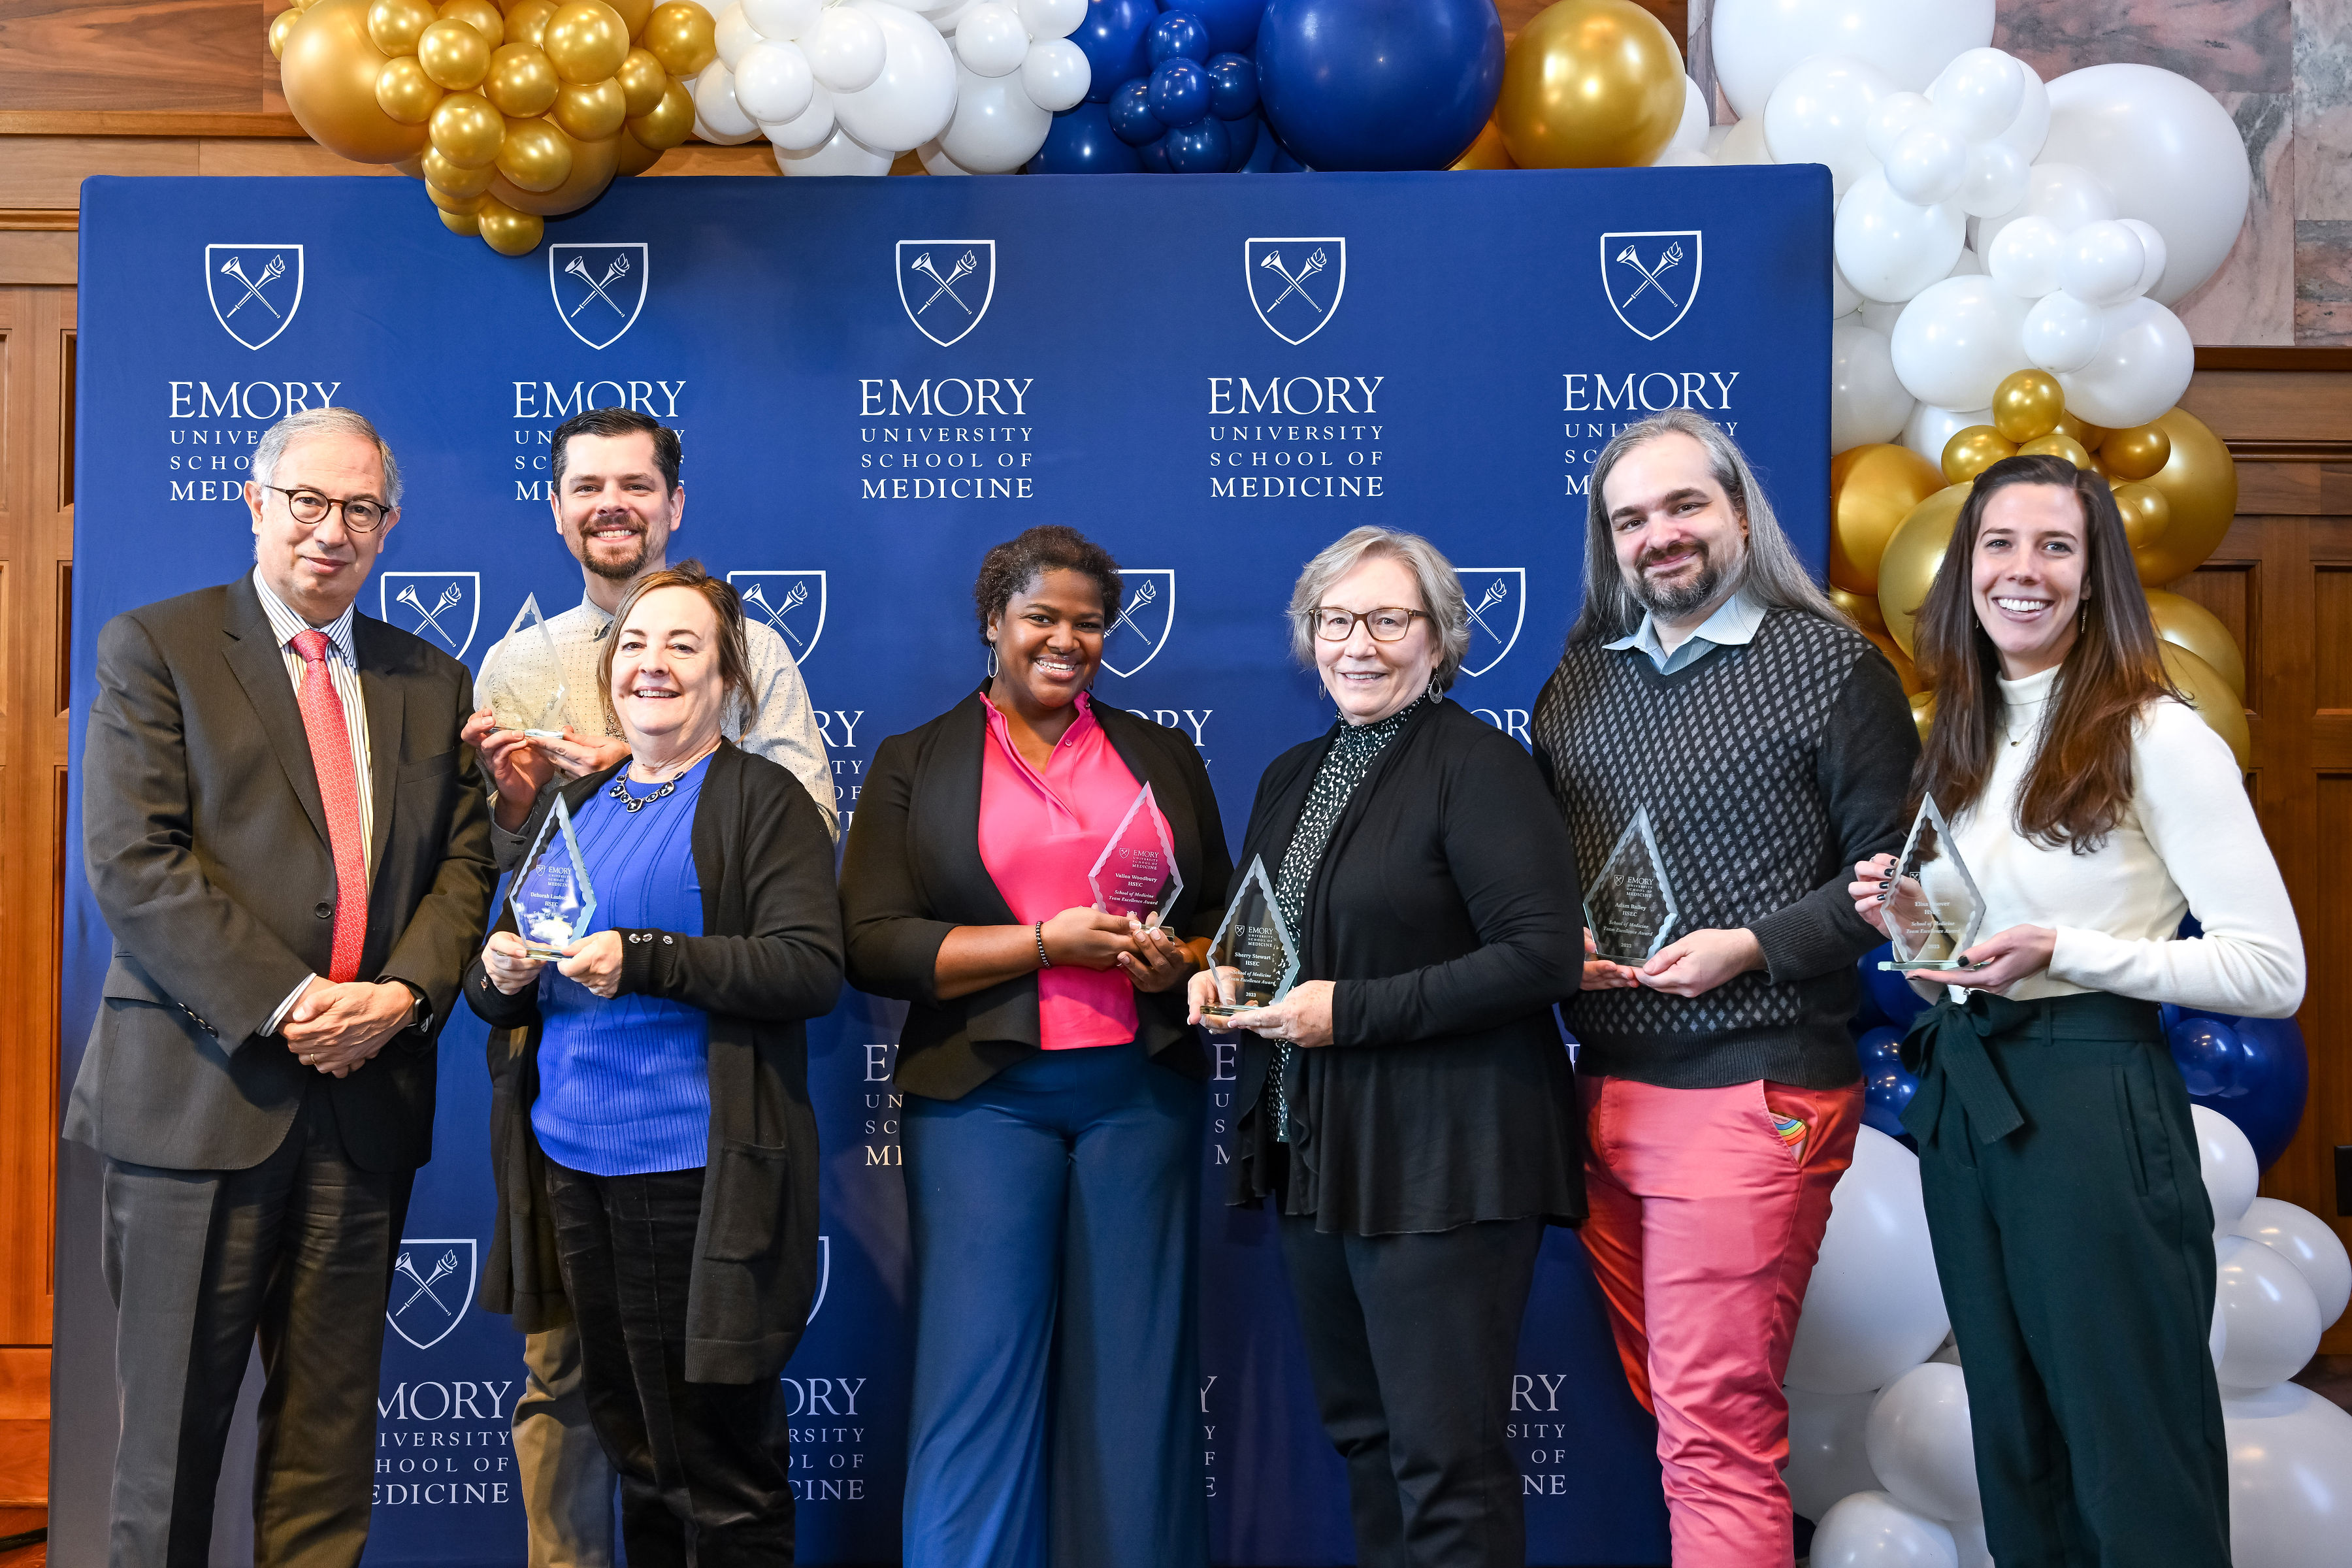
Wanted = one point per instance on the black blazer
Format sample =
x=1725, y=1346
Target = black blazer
x=767, y=960
x=1446, y=909
x=912, y=873
x=206, y=847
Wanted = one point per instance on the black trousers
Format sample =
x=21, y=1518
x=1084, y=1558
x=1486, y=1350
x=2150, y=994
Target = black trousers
x=703, y=1466
x=2076, y=1256
x=1411, y=1341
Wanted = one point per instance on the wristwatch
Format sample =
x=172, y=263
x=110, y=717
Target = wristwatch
x=420, y=1017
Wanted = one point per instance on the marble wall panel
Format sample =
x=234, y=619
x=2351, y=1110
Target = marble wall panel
x=2323, y=283
x=2225, y=46
x=2251, y=298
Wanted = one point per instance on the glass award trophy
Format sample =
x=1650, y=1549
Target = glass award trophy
x=528, y=690
x=1253, y=957
x=1630, y=906
x=551, y=896
x=1135, y=874
x=1933, y=908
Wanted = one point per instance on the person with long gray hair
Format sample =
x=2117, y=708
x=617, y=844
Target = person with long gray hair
x=1716, y=722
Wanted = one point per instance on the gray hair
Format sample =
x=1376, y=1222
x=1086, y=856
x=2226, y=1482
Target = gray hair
x=1770, y=571
x=327, y=421
x=1441, y=592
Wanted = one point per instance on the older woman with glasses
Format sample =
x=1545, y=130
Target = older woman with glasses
x=1408, y=1108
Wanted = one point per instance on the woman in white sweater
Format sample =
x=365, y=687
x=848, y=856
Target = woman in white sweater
x=2073, y=1234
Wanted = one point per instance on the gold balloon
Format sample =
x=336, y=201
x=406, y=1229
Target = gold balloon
x=465, y=129
x=2135, y=453
x=461, y=222
x=1591, y=84
x=467, y=205
x=281, y=26
x=508, y=231
x=1923, y=713
x=2098, y=466
x=527, y=23
x=635, y=156
x=587, y=40
x=2056, y=445
x=2224, y=711
x=2087, y=433
x=479, y=15
x=1486, y=152
x=454, y=55
x=1862, y=609
x=2028, y=403
x=591, y=113
x=328, y=72
x=1972, y=450
x=1871, y=489
x=521, y=81
x=671, y=121
x=682, y=36
x=403, y=91
x=443, y=175
x=1912, y=556
x=2146, y=515
x=592, y=166
x=632, y=14
x=642, y=82
x=2201, y=483
x=535, y=156
x=2185, y=622
x=394, y=26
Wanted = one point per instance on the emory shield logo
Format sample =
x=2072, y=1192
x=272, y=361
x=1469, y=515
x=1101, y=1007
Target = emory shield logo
x=1296, y=283
x=442, y=608
x=791, y=602
x=432, y=1285
x=254, y=289
x=1136, y=637
x=1651, y=277
x=946, y=285
x=1496, y=598
x=599, y=289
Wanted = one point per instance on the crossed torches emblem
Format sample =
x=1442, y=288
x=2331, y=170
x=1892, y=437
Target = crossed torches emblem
x=236, y=269
x=578, y=268
x=1315, y=263
x=450, y=595
x=965, y=263
x=1496, y=591
x=775, y=613
x=442, y=1269
x=1144, y=594
x=1672, y=257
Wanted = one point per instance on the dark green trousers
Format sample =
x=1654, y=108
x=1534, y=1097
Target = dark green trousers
x=2075, y=1242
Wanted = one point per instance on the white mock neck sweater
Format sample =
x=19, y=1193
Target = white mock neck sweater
x=2189, y=844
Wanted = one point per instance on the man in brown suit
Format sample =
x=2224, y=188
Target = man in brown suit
x=282, y=832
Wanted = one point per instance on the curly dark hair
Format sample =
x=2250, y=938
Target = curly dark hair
x=1011, y=566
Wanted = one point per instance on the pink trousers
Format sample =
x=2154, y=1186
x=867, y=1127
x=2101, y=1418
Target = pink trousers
x=1708, y=1206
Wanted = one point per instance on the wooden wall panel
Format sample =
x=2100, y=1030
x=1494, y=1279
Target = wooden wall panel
x=132, y=54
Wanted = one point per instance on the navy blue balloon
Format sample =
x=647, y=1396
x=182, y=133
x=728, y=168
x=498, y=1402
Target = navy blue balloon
x=1233, y=86
x=1180, y=92
x=1261, y=155
x=1282, y=163
x=2255, y=1071
x=1178, y=35
x=1081, y=142
x=1129, y=114
x=1893, y=995
x=1242, y=137
x=1887, y=1085
x=1112, y=38
x=1198, y=149
x=1379, y=84
x=1155, y=157
x=1232, y=23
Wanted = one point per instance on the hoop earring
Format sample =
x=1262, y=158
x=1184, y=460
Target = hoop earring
x=1434, y=694
x=992, y=662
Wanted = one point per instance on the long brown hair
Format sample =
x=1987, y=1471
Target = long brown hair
x=734, y=652
x=2080, y=782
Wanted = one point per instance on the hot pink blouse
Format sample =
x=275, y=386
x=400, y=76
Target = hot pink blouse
x=1039, y=838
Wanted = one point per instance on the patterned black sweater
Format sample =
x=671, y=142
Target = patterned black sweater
x=1768, y=769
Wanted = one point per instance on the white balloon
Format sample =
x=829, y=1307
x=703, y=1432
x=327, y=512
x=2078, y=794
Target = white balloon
x=1815, y=115
x=1690, y=133
x=1957, y=341
x=714, y=105
x=2170, y=153
x=947, y=21
x=2024, y=258
x=1743, y=143
x=1047, y=19
x=717, y=138
x=839, y=154
x=1682, y=158
x=1867, y=402
x=991, y=41
x=846, y=49
x=781, y=18
x=1996, y=181
x=1871, y=1530
x=913, y=99
x=1872, y=1310
x=2068, y=194
x=2216, y=1338
x=935, y=161
x=1829, y=1457
x=2308, y=1242
x=1887, y=119
x=1969, y=1535
x=2290, y=1478
x=1881, y=318
x=2102, y=263
x=1928, y=163
x=807, y=130
x=733, y=33
x=2060, y=333
x=1845, y=297
x=1930, y=429
x=2031, y=127
x=1983, y=90
x=1890, y=248
x=1056, y=74
x=1967, y=265
x=2152, y=250
x=1756, y=41
x=1920, y=1446
x=2224, y=1156
x=774, y=85
x=996, y=129
x=2272, y=1315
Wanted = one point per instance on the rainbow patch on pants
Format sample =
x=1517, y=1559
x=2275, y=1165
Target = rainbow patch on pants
x=1793, y=1132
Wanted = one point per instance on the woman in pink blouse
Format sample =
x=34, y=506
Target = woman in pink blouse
x=1053, y=1091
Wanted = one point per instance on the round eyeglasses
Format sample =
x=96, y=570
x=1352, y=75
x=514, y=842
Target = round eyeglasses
x=361, y=515
x=1387, y=624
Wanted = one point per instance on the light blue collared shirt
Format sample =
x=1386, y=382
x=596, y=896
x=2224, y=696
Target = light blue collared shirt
x=1733, y=624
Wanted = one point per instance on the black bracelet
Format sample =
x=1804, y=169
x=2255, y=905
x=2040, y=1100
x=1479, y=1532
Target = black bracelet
x=1043, y=961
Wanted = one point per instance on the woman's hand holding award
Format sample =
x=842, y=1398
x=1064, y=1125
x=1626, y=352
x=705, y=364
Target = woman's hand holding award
x=1931, y=903
x=1252, y=956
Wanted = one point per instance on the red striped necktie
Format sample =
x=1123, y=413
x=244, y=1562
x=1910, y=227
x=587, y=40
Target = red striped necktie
x=330, y=758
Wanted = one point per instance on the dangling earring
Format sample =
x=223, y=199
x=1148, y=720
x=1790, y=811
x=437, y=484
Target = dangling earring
x=1434, y=694
x=992, y=662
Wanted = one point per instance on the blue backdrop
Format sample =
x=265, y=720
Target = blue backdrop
x=875, y=380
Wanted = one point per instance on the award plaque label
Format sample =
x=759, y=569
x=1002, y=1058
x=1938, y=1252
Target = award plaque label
x=1933, y=908
x=1136, y=873
x=1251, y=955
x=528, y=689
x=552, y=897
x=1630, y=907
